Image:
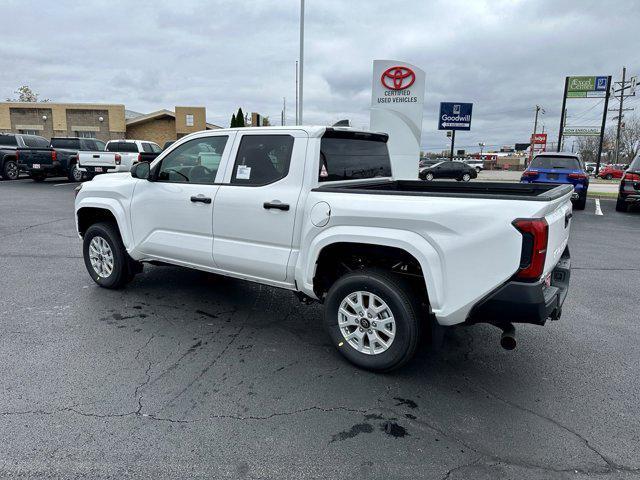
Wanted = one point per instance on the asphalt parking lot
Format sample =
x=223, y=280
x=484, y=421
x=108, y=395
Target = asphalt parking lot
x=185, y=374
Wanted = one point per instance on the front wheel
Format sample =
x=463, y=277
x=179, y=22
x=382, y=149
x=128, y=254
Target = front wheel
x=105, y=257
x=466, y=177
x=621, y=205
x=373, y=317
x=608, y=176
x=10, y=170
x=428, y=177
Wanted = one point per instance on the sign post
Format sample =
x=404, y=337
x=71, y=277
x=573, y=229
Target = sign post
x=397, y=101
x=585, y=87
x=454, y=116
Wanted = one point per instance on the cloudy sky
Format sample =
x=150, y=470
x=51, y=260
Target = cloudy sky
x=505, y=56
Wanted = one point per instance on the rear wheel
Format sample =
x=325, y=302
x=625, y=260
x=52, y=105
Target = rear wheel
x=75, y=174
x=608, y=176
x=621, y=205
x=373, y=317
x=105, y=257
x=466, y=177
x=10, y=170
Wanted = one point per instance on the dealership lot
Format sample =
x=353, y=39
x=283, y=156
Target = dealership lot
x=188, y=374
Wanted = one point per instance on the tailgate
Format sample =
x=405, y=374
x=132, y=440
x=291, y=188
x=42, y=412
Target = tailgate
x=558, y=216
x=97, y=159
x=30, y=157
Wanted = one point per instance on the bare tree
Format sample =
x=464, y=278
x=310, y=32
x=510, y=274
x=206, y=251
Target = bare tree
x=25, y=94
x=630, y=140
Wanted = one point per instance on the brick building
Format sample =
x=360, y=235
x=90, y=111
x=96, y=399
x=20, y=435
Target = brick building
x=165, y=125
x=48, y=119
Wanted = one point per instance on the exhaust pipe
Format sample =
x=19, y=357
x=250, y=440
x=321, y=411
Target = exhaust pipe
x=508, y=337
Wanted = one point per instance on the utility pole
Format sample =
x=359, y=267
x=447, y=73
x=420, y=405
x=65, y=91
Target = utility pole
x=453, y=141
x=283, y=120
x=564, y=111
x=297, y=105
x=624, y=85
x=301, y=61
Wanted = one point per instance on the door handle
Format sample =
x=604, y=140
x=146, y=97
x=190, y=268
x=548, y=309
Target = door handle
x=276, y=204
x=200, y=199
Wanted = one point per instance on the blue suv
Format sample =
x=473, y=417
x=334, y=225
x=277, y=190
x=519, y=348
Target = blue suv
x=558, y=167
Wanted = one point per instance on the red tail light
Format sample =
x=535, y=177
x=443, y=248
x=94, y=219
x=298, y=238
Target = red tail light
x=139, y=157
x=529, y=173
x=631, y=177
x=577, y=176
x=535, y=236
x=118, y=159
x=54, y=155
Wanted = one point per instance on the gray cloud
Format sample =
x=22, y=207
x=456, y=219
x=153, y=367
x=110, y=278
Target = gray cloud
x=504, y=55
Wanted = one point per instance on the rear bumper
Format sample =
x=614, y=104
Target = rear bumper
x=519, y=302
x=97, y=169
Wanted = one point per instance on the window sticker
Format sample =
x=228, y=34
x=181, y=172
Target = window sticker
x=243, y=172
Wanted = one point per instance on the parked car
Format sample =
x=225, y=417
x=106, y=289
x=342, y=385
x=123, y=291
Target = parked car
x=475, y=163
x=428, y=162
x=611, y=171
x=559, y=167
x=119, y=156
x=9, y=144
x=58, y=159
x=459, y=171
x=590, y=167
x=384, y=256
x=629, y=192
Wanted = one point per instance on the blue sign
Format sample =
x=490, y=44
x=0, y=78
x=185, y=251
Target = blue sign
x=455, y=116
x=601, y=84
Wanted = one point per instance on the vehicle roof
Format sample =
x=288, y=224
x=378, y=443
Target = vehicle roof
x=311, y=130
x=557, y=154
x=131, y=140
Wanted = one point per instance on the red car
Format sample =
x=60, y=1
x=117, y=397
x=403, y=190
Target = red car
x=611, y=171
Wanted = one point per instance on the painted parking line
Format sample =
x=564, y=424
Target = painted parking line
x=598, y=209
x=67, y=183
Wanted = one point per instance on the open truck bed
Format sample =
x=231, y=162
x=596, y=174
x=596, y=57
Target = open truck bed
x=491, y=190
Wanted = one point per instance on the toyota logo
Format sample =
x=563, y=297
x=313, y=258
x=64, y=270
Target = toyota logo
x=398, y=78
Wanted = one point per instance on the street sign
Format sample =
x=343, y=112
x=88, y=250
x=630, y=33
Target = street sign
x=581, y=131
x=586, y=84
x=455, y=116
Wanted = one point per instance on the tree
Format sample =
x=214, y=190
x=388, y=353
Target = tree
x=266, y=122
x=25, y=94
x=233, y=121
x=240, y=118
x=629, y=140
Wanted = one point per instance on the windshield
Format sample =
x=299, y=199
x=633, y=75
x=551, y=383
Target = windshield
x=551, y=161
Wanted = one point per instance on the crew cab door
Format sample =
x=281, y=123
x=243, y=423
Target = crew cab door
x=171, y=216
x=254, y=211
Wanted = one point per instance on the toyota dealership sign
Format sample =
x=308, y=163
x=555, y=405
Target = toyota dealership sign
x=396, y=108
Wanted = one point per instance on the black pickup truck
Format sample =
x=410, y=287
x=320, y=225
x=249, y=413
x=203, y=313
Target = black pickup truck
x=58, y=159
x=9, y=143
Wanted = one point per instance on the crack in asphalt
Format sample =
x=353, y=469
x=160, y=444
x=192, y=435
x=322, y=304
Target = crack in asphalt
x=28, y=227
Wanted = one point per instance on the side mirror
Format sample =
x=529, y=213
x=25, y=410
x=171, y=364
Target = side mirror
x=141, y=170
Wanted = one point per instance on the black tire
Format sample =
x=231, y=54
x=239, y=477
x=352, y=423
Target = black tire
x=580, y=203
x=121, y=272
x=75, y=175
x=608, y=176
x=428, y=177
x=10, y=170
x=621, y=205
x=400, y=297
x=466, y=177
x=38, y=178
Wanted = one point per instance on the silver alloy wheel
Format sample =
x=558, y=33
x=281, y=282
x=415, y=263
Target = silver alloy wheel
x=466, y=177
x=76, y=173
x=429, y=176
x=366, y=323
x=101, y=256
x=12, y=171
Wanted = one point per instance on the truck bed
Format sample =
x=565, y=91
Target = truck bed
x=493, y=190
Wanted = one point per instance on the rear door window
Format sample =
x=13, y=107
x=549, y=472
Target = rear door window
x=35, y=142
x=9, y=140
x=65, y=143
x=555, y=162
x=262, y=159
x=146, y=147
x=353, y=155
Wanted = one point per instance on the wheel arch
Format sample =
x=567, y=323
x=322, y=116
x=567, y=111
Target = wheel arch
x=88, y=213
x=405, y=245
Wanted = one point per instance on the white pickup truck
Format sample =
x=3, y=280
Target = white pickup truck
x=316, y=210
x=119, y=156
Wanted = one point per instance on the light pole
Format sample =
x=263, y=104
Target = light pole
x=300, y=97
x=481, y=145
